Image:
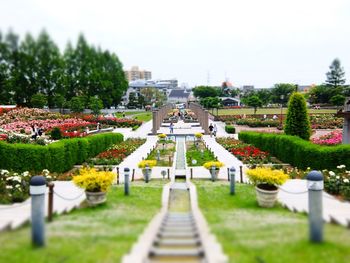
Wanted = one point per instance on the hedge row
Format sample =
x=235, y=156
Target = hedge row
x=298, y=152
x=230, y=129
x=56, y=157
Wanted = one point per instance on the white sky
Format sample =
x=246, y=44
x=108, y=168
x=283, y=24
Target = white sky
x=258, y=42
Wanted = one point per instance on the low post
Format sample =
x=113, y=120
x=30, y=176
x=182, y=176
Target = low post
x=147, y=173
x=169, y=160
x=232, y=180
x=315, y=187
x=126, y=181
x=37, y=191
x=241, y=173
x=133, y=175
x=228, y=174
x=51, y=185
x=117, y=175
x=168, y=173
x=163, y=174
x=213, y=170
x=191, y=173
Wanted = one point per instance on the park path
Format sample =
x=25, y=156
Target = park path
x=66, y=197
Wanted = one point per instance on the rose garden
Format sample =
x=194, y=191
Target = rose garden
x=119, y=192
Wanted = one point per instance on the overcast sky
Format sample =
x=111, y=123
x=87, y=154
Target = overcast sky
x=257, y=42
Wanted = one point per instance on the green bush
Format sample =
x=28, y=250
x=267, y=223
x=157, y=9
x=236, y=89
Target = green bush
x=298, y=122
x=230, y=129
x=298, y=152
x=56, y=157
x=56, y=134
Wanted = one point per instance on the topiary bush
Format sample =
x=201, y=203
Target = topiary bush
x=56, y=134
x=230, y=129
x=56, y=157
x=298, y=152
x=297, y=122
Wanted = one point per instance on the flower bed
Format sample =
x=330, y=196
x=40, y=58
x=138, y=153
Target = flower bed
x=166, y=150
x=117, y=153
x=325, y=121
x=198, y=153
x=247, y=153
x=337, y=182
x=112, y=121
x=14, y=187
x=332, y=138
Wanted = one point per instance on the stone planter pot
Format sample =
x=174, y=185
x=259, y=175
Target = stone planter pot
x=214, y=176
x=95, y=198
x=266, y=195
x=146, y=176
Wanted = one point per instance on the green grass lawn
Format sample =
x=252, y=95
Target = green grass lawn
x=266, y=111
x=249, y=233
x=101, y=234
x=127, y=113
x=192, y=153
x=144, y=116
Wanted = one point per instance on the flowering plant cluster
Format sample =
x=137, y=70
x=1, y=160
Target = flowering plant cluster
x=27, y=114
x=325, y=121
x=14, y=187
x=118, y=152
x=254, y=122
x=209, y=165
x=337, y=182
x=113, y=121
x=144, y=163
x=198, y=135
x=247, y=153
x=332, y=138
x=94, y=181
x=162, y=136
x=5, y=110
x=263, y=175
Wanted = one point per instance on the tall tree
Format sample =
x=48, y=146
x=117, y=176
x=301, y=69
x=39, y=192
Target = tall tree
x=205, y=91
x=297, y=122
x=253, y=101
x=4, y=71
x=335, y=75
x=281, y=92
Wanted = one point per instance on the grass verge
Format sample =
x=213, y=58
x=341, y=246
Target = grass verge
x=267, y=111
x=249, y=233
x=101, y=234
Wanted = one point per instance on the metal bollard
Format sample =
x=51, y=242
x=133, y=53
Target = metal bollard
x=126, y=181
x=168, y=174
x=213, y=170
x=315, y=187
x=133, y=175
x=37, y=191
x=228, y=174
x=117, y=175
x=232, y=180
x=163, y=173
x=51, y=185
x=191, y=173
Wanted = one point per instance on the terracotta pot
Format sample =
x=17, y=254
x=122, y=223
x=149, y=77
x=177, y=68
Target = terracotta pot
x=95, y=198
x=266, y=195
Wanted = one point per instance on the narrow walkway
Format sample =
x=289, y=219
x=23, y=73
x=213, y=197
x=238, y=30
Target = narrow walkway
x=294, y=195
x=67, y=197
x=225, y=157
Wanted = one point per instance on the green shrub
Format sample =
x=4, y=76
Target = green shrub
x=134, y=128
x=56, y=134
x=56, y=157
x=298, y=152
x=298, y=122
x=230, y=129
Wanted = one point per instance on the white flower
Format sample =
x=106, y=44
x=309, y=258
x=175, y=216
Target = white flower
x=346, y=180
x=17, y=178
x=48, y=177
x=337, y=177
x=341, y=166
x=18, y=186
x=4, y=172
x=348, y=172
x=25, y=174
x=9, y=178
x=331, y=173
x=9, y=187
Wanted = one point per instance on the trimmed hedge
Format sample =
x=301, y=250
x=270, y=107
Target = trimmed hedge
x=230, y=129
x=56, y=157
x=298, y=152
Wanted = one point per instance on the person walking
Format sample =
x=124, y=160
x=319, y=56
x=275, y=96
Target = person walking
x=215, y=130
x=171, y=127
x=211, y=128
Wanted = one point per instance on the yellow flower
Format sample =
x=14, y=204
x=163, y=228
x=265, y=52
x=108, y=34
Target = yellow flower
x=162, y=136
x=267, y=175
x=217, y=164
x=94, y=181
x=149, y=163
x=198, y=135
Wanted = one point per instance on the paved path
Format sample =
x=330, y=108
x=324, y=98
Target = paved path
x=13, y=216
x=333, y=210
x=141, y=132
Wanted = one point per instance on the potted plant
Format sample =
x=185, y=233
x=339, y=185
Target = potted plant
x=96, y=184
x=214, y=168
x=146, y=166
x=198, y=136
x=266, y=181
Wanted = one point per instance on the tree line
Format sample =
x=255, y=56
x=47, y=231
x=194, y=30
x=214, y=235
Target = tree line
x=333, y=92
x=34, y=72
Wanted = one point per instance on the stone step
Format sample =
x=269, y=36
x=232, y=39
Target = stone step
x=191, y=252
x=183, y=228
x=166, y=234
x=177, y=242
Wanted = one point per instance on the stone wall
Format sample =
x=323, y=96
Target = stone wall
x=158, y=117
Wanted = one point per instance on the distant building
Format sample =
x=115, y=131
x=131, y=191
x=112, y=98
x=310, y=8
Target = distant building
x=229, y=102
x=305, y=88
x=135, y=73
x=178, y=95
